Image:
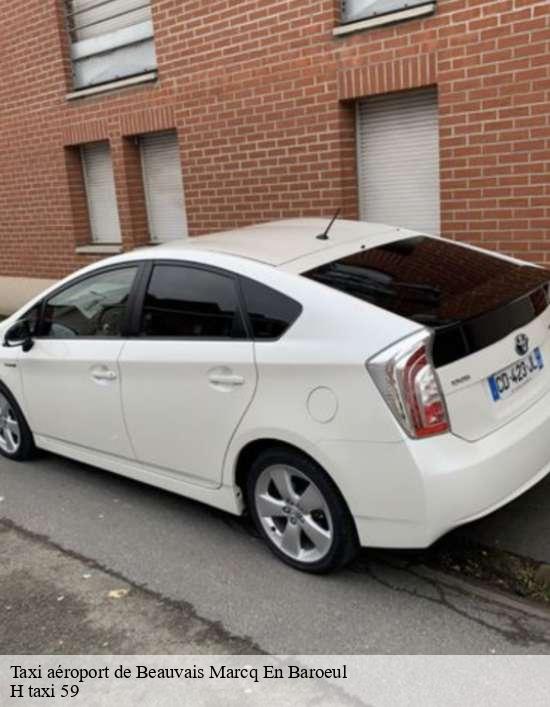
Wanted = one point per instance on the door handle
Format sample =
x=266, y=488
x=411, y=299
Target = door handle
x=225, y=379
x=104, y=375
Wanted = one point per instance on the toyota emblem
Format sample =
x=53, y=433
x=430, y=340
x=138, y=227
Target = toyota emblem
x=522, y=344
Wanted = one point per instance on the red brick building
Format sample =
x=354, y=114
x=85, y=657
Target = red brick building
x=129, y=121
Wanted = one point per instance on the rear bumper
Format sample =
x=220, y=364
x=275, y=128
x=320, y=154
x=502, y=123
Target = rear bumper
x=408, y=494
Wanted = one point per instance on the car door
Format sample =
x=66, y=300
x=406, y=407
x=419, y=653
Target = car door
x=189, y=376
x=70, y=377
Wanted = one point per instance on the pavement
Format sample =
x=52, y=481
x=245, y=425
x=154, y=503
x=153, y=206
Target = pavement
x=226, y=590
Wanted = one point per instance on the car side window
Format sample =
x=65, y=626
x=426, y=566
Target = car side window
x=270, y=312
x=187, y=302
x=93, y=307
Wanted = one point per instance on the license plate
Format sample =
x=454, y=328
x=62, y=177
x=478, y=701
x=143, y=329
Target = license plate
x=506, y=382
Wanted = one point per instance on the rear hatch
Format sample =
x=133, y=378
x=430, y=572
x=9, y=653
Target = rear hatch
x=489, y=316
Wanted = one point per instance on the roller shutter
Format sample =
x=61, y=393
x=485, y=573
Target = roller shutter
x=110, y=40
x=100, y=191
x=398, y=160
x=163, y=183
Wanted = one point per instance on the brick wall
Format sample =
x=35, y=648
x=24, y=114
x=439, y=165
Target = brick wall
x=262, y=96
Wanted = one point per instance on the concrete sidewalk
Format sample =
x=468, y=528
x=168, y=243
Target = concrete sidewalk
x=521, y=527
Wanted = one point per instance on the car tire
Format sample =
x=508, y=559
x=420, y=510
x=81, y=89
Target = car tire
x=299, y=511
x=16, y=440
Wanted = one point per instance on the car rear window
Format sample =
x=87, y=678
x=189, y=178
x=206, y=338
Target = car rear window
x=431, y=281
x=472, y=298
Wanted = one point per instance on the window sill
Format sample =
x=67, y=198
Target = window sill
x=360, y=25
x=112, y=86
x=99, y=249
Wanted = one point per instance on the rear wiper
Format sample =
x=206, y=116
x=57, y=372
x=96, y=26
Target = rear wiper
x=360, y=283
x=434, y=291
x=354, y=283
x=380, y=278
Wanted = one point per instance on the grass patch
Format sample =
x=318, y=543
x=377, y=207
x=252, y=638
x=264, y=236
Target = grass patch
x=503, y=570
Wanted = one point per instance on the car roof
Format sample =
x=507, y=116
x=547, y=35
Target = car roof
x=288, y=243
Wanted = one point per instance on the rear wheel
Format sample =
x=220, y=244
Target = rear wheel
x=300, y=512
x=16, y=441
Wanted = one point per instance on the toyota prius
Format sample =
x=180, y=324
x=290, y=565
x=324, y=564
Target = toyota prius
x=359, y=385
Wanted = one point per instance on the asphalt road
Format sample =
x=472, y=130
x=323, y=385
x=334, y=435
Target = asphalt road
x=185, y=552
x=55, y=603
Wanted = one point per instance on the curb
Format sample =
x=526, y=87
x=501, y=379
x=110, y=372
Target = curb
x=472, y=586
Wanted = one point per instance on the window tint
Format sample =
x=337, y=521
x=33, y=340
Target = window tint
x=271, y=313
x=432, y=281
x=190, y=302
x=95, y=306
x=470, y=299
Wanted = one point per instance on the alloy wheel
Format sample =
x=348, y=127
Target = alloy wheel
x=294, y=513
x=10, y=434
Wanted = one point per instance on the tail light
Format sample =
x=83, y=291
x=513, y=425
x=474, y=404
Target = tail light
x=405, y=376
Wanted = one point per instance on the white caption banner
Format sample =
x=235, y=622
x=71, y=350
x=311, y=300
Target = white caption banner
x=374, y=681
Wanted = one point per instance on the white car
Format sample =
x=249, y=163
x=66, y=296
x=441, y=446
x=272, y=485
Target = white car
x=368, y=386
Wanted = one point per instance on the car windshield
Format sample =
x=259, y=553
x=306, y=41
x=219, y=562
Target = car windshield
x=429, y=280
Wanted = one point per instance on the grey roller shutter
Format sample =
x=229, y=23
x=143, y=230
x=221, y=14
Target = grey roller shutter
x=398, y=160
x=110, y=40
x=100, y=191
x=163, y=183
x=94, y=18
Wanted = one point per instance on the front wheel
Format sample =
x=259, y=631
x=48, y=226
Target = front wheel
x=300, y=512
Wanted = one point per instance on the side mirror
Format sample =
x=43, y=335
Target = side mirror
x=19, y=334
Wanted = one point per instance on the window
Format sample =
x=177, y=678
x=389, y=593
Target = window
x=96, y=306
x=110, y=40
x=381, y=11
x=99, y=182
x=469, y=298
x=398, y=160
x=270, y=312
x=187, y=302
x=163, y=185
